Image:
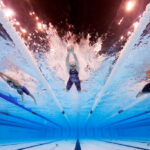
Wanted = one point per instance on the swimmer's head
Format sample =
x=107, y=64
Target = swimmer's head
x=72, y=65
x=70, y=47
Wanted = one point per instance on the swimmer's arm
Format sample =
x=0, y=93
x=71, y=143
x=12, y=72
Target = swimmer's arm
x=67, y=61
x=76, y=59
x=6, y=78
x=3, y=76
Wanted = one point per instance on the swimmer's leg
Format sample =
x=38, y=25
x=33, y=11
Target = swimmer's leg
x=33, y=98
x=22, y=98
x=26, y=91
x=78, y=86
x=20, y=92
x=69, y=85
x=139, y=94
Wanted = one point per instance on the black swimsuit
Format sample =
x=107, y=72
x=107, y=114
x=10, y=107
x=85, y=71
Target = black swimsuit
x=20, y=89
x=146, y=88
x=74, y=78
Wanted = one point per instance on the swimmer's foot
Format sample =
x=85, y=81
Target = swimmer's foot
x=84, y=90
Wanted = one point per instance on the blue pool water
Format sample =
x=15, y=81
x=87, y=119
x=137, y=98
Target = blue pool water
x=108, y=116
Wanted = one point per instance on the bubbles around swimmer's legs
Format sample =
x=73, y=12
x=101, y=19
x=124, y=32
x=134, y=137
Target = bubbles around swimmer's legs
x=75, y=98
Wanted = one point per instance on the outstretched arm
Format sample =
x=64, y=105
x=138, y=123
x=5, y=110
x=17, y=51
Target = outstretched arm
x=67, y=61
x=76, y=60
x=6, y=78
x=3, y=76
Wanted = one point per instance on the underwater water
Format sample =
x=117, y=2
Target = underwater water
x=107, y=117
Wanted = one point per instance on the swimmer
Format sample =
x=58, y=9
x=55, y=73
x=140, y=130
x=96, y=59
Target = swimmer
x=16, y=85
x=73, y=70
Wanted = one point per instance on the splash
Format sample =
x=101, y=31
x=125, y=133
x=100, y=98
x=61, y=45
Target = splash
x=55, y=57
x=49, y=49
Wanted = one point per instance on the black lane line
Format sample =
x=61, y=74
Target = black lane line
x=140, y=142
x=20, y=118
x=126, y=145
x=143, y=142
x=36, y=145
x=13, y=100
x=19, y=126
x=134, y=116
x=77, y=147
x=10, y=144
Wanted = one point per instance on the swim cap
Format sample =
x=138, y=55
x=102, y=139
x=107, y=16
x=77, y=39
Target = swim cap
x=70, y=47
x=72, y=64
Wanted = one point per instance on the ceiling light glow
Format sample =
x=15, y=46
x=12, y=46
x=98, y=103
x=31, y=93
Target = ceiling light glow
x=130, y=5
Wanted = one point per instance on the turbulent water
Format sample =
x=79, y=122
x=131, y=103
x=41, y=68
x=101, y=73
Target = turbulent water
x=55, y=58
